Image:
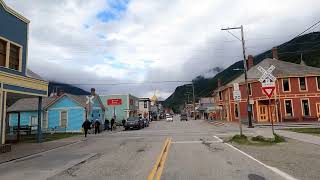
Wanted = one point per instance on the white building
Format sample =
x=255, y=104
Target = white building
x=144, y=107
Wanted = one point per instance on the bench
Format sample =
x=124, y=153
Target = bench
x=23, y=128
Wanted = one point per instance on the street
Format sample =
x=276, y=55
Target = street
x=195, y=152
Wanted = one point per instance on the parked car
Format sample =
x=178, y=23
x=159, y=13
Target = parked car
x=134, y=123
x=145, y=122
x=183, y=117
x=169, y=117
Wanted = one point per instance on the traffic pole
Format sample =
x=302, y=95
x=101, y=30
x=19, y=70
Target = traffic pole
x=270, y=115
x=240, y=122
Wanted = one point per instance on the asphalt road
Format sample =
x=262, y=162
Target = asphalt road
x=195, y=153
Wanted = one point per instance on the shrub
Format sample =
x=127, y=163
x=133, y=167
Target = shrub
x=278, y=138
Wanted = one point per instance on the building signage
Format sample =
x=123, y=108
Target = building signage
x=114, y=102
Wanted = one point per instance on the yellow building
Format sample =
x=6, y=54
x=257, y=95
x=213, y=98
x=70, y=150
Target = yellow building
x=16, y=81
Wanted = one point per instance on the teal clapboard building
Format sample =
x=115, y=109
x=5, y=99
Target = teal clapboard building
x=128, y=107
x=65, y=113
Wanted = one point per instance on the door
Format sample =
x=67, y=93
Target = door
x=263, y=113
x=318, y=111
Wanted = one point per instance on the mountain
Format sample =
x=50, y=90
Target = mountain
x=67, y=88
x=306, y=47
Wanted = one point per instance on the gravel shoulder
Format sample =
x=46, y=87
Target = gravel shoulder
x=299, y=159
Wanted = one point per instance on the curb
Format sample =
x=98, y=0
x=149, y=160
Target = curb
x=41, y=152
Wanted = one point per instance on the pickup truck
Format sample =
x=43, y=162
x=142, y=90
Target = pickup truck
x=169, y=117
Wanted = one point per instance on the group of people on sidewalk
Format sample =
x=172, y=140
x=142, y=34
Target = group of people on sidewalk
x=87, y=125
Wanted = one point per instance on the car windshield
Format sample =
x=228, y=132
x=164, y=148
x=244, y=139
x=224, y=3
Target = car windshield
x=133, y=119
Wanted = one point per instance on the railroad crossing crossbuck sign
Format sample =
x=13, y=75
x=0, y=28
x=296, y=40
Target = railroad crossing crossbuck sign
x=267, y=80
x=89, y=99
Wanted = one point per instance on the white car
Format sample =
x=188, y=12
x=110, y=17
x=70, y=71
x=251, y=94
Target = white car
x=169, y=117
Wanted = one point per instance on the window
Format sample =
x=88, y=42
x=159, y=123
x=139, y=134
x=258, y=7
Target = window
x=63, y=119
x=45, y=119
x=236, y=111
x=286, y=84
x=33, y=122
x=220, y=96
x=250, y=89
x=3, y=52
x=318, y=82
x=145, y=104
x=14, y=57
x=302, y=83
x=305, y=107
x=288, y=108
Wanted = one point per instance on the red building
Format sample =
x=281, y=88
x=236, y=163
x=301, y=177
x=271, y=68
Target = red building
x=296, y=98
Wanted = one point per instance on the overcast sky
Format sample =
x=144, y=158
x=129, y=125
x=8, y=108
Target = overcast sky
x=110, y=41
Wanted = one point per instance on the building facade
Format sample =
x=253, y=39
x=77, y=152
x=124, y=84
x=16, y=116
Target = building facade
x=65, y=113
x=144, y=107
x=14, y=77
x=120, y=106
x=296, y=97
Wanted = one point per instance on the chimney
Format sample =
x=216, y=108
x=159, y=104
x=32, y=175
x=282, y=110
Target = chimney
x=60, y=92
x=219, y=83
x=250, y=62
x=275, y=53
x=93, y=91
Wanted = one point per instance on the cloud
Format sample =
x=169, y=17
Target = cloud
x=109, y=41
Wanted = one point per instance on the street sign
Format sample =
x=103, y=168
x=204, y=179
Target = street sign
x=267, y=80
x=268, y=90
x=237, y=95
x=114, y=102
x=236, y=86
x=267, y=74
x=89, y=99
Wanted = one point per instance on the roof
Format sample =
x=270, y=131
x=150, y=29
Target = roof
x=29, y=104
x=34, y=75
x=13, y=12
x=283, y=69
x=144, y=99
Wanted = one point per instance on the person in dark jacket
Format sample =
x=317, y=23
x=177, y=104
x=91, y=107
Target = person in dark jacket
x=112, y=123
x=86, y=126
x=123, y=122
x=97, y=127
x=106, y=124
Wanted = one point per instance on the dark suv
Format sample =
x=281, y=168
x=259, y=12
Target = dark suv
x=134, y=122
x=183, y=117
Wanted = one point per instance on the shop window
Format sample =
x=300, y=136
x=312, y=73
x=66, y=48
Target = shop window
x=250, y=89
x=220, y=96
x=305, y=107
x=14, y=57
x=145, y=104
x=302, y=83
x=286, y=84
x=3, y=52
x=236, y=111
x=288, y=108
x=63, y=119
x=318, y=82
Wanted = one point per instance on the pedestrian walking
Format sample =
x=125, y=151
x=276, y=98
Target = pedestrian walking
x=112, y=123
x=97, y=127
x=106, y=124
x=123, y=122
x=86, y=126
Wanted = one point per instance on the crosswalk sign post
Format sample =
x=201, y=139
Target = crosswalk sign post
x=237, y=98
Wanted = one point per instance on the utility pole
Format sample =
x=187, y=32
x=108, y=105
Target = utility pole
x=249, y=108
x=194, y=102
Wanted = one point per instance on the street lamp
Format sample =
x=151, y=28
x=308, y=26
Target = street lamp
x=245, y=69
x=194, y=100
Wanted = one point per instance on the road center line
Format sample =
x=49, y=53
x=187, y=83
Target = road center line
x=276, y=170
x=191, y=142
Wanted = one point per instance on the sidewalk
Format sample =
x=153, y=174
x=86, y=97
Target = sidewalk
x=21, y=150
x=267, y=132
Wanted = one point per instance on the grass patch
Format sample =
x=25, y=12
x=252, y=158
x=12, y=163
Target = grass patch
x=314, y=131
x=257, y=140
x=47, y=137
